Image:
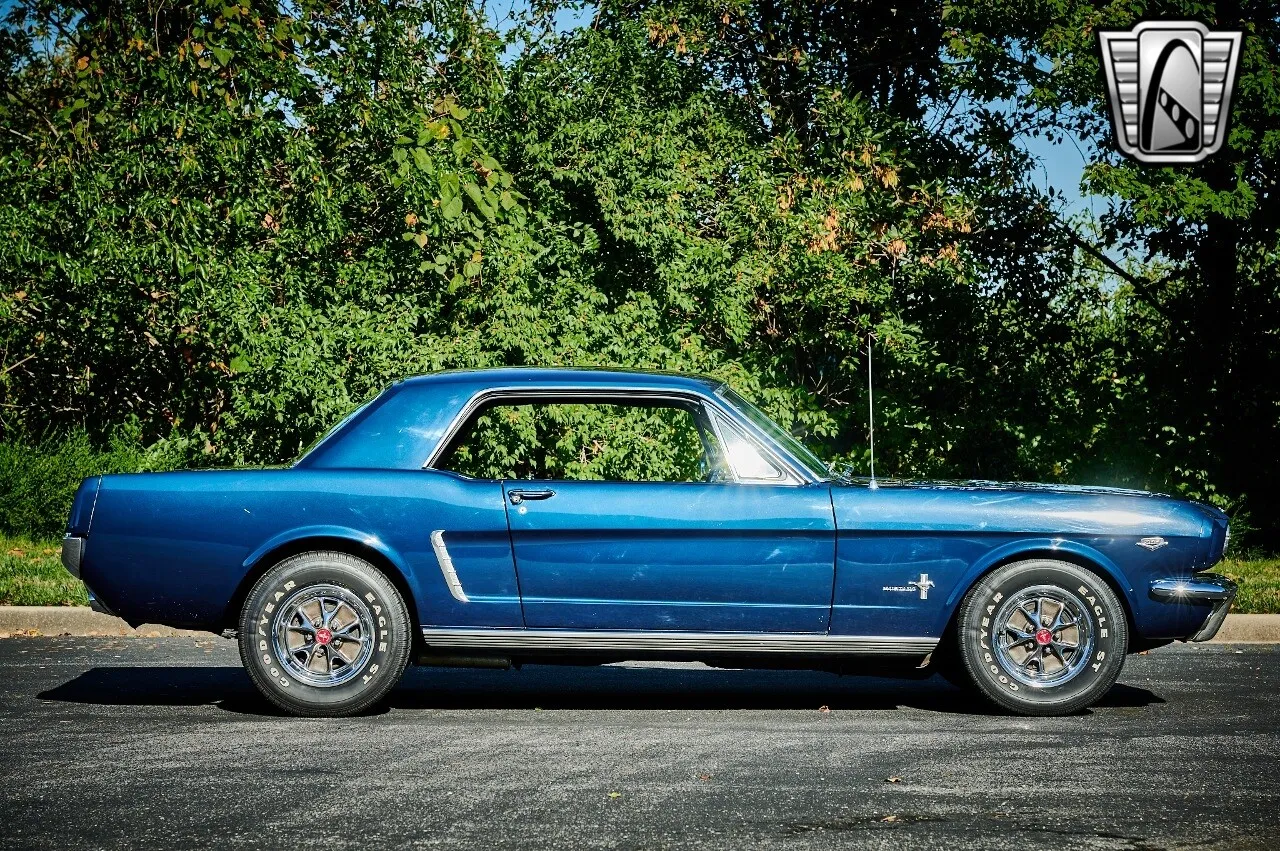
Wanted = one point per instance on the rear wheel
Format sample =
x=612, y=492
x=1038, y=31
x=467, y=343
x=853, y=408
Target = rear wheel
x=324, y=634
x=1042, y=637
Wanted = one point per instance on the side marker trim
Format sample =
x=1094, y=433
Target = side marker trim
x=446, y=567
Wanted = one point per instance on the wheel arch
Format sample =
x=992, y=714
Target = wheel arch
x=1072, y=552
x=331, y=539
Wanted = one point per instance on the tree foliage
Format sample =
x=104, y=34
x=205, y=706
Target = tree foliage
x=582, y=442
x=1193, y=326
x=225, y=224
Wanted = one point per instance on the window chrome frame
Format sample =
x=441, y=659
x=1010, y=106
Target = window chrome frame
x=794, y=474
x=719, y=422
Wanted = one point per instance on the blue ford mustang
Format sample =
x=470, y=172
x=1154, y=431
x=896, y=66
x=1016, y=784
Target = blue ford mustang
x=511, y=516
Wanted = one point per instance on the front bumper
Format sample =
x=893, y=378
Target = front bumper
x=1207, y=589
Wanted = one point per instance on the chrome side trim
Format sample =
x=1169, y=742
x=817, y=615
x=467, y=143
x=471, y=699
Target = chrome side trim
x=692, y=642
x=446, y=567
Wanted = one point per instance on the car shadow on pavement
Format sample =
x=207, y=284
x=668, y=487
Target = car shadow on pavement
x=552, y=687
x=153, y=686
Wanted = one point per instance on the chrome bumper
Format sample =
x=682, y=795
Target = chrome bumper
x=72, y=560
x=1215, y=590
x=72, y=554
x=96, y=604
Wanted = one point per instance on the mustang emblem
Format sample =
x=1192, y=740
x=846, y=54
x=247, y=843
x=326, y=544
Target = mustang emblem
x=1153, y=543
x=923, y=584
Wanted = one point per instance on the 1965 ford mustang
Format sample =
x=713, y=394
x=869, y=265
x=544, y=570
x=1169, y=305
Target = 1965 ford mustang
x=502, y=517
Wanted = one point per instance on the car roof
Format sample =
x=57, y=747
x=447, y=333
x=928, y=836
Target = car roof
x=568, y=377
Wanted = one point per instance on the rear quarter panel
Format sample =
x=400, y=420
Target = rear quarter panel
x=173, y=548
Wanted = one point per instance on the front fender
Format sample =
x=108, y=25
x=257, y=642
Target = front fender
x=1059, y=548
x=1128, y=567
x=879, y=577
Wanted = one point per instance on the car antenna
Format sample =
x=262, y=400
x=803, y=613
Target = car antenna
x=871, y=415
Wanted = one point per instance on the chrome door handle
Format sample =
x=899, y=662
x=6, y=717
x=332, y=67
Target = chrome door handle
x=520, y=495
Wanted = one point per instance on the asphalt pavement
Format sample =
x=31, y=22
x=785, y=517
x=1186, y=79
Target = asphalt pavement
x=163, y=743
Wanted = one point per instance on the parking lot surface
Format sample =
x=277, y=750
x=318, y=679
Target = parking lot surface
x=163, y=743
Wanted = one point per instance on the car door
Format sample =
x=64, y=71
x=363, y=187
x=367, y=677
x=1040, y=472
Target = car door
x=689, y=556
x=653, y=513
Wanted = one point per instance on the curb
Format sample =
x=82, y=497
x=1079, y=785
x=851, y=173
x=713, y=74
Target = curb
x=1249, y=629
x=83, y=621
x=77, y=621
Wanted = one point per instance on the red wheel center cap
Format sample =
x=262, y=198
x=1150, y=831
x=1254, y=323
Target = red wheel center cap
x=1043, y=636
x=324, y=636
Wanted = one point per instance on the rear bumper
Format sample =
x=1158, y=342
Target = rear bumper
x=1211, y=590
x=73, y=553
x=73, y=560
x=96, y=604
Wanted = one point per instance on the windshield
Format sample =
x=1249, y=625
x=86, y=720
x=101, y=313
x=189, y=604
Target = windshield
x=780, y=435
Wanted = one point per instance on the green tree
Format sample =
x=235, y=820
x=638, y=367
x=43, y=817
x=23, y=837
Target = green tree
x=1198, y=301
x=225, y=224
x=793, y=185
x=236, y=219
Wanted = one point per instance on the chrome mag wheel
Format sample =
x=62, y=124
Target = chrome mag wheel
x=323, y=635
x=1042, y=636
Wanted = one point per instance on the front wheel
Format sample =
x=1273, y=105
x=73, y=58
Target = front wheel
x=1042, y=637
x=324, y=634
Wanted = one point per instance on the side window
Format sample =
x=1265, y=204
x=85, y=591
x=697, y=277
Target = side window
x=659, y=442
x=745, y=456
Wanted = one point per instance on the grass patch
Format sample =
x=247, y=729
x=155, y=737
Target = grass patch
x=31, y=574
x=1259, y=584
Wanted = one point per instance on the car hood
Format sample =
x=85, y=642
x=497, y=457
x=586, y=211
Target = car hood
x=987, y=485
x=1021, y=508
